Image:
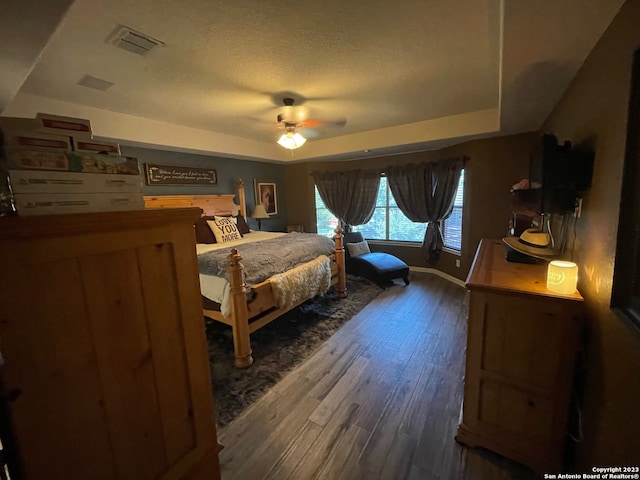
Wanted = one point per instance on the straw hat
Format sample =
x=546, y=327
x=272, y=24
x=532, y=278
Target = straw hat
x=532, y=242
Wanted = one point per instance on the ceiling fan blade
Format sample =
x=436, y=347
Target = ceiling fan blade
x=319, y=123
x=313, y=123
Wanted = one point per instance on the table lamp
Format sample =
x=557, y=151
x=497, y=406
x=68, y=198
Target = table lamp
x=259, y=213
x=562, y=277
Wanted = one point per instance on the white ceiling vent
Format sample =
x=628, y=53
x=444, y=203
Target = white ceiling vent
x=133, y=41
x=95, y=83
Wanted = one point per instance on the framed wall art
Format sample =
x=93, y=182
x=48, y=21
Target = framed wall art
x=267, y=195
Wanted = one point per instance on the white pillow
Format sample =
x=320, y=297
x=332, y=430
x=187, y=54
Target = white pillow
x=359, y=248
x=224, y=229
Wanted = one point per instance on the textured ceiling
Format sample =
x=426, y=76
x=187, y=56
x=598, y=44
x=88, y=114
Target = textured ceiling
x=381, y=76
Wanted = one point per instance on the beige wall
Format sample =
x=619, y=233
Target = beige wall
x=594, y=111
x=493, y=166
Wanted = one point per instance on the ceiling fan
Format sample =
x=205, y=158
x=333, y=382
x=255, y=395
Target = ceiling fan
x=292, y=139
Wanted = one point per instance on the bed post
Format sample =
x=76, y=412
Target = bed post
x=242, y=199
x=340, y=260
x=239, y=312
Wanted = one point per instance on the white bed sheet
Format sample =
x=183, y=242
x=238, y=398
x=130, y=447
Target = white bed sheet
x=216, y=288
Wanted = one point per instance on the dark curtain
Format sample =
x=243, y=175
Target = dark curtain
x=350, y=195
x=425, y=193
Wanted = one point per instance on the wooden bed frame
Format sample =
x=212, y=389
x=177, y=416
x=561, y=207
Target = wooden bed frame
x=246, y=316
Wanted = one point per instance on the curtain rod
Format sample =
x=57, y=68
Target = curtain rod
x=463, y=158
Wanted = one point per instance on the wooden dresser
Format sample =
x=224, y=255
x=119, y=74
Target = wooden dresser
x=106, y=371
x=521, y=349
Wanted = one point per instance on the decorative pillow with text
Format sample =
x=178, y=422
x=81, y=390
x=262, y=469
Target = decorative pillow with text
x=239, y=221
x=225, y=230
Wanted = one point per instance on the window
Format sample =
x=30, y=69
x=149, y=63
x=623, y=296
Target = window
x=452, y=226
x=389, y=223
x=626, y=277
x=326, y=222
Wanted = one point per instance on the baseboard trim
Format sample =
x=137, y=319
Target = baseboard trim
x=437, y=272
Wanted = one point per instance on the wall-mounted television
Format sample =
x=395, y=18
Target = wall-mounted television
x=561, y=172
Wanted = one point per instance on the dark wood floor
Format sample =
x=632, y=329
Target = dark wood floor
x=379, y=400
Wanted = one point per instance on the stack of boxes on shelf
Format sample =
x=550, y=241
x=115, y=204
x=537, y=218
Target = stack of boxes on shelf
x=55, y=166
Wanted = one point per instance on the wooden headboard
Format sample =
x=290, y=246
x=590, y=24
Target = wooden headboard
x=210, y=204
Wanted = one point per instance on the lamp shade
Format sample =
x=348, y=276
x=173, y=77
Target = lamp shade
x=291, y=140
x=562, y=277
x=260, y=212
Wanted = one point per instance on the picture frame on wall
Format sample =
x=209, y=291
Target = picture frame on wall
x=266, y=194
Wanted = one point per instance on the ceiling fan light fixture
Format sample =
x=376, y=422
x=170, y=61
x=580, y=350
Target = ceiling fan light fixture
x=291, y=139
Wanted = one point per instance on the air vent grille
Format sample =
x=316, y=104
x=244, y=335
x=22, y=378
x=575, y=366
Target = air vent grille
x=133, y=41
x=95, y=83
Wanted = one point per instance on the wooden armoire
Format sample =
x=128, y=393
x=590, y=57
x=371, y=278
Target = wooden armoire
x=105, y=370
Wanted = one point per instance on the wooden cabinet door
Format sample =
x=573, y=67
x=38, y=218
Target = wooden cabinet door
x=520, y=357
x=102, y=334
x=521, y=348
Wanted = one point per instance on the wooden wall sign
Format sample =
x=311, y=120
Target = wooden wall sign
x=179, y=175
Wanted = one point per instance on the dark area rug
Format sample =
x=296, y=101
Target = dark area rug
x=279, y=346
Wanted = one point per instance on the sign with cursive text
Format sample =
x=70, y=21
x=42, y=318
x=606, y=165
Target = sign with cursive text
x=179, y=175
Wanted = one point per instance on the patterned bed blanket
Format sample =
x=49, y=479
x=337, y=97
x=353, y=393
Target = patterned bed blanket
x=302, y=282
x=266, y=258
